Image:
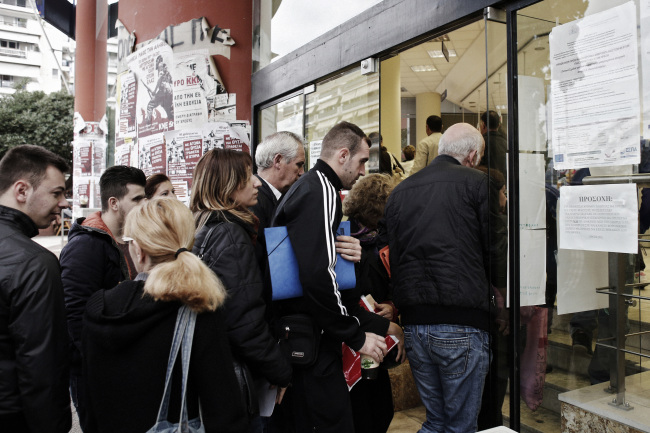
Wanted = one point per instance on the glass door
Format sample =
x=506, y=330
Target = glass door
x=569, y=127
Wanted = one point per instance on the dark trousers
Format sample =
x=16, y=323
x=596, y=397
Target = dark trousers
x=78, y=394
x=372, y=404
x=14, y=423
x=318, y=399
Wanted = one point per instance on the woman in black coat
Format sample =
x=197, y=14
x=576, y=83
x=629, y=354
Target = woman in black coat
x=128, y=330
x=372, y=400
x=223, y=189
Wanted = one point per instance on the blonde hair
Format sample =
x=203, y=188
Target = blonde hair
x=161, y=227
x=367, y=199
x=218, y=174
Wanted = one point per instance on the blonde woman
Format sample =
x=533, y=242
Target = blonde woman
x=223, y=189
x=128, y=332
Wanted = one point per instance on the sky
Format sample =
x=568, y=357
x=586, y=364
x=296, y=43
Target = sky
x=297, y=22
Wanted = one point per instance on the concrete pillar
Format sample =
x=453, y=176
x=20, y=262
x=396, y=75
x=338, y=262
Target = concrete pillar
x=91, y=59
x=390, y=111
x=149, y=18
x=426, y=104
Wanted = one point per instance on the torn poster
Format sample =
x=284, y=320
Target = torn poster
x=191, y=85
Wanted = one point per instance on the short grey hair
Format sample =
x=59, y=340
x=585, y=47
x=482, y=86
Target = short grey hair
x=459, y=140
x=284, y=143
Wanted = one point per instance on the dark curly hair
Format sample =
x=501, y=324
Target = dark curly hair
x=367, y=199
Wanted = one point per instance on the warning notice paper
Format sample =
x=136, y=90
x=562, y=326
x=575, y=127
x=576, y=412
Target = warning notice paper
x=599, y=218
x=595, y=90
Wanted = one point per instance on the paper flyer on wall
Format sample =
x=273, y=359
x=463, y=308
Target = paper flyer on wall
x=82, y=157
x=224, y=108
x=125, y=98
x=191, y=84
x=213, y=135
x=595, y=90
x=599, y=218
x=152, y=158
x=238, y=137
x=152, y=66
x=196, y=34
x=125, y=45
x=184, y=149
x=125, y=151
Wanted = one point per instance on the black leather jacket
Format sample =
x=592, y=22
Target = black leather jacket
x=439, y=238
x=33, y=335
x=231, y=255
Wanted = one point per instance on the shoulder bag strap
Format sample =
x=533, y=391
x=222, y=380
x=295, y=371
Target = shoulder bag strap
x=186, y=351
x=204, y=244
x=182, y=319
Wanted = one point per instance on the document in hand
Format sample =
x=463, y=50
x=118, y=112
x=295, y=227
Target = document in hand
x=283, y=265
x=352, y=359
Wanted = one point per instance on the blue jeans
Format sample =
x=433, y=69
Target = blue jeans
x=449, y=365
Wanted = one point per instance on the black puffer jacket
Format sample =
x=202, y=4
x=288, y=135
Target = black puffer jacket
x=33, y=336
x=127, y=337
x=438, y=230
x=231, y=255
x=90, y=261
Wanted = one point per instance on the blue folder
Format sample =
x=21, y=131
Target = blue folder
x=284, y=266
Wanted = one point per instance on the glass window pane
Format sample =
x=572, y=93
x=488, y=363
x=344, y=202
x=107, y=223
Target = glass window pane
x=349, y=96
x=581, y=323
x=284, y=116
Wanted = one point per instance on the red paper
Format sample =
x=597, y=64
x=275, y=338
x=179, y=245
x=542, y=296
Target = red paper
x=352, y=359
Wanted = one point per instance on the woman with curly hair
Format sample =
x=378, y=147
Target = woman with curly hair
x=223, y=189
x=128, y=330
x=372, y=401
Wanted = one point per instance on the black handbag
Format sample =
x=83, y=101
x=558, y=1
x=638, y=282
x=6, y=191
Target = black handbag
x=298, y=338
x=243, y=373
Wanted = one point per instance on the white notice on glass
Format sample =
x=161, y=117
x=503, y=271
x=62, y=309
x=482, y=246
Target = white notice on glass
x=599, y=218
x=532, y=193
x=644, y=15
x=579, y=274
x=595, y=90
x=532, y=255
x=314, y=152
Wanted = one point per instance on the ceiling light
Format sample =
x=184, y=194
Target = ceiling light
x=436, y=54
x=423, y=68
x=442, y=38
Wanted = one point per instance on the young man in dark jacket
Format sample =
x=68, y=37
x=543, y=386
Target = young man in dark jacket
x=33, y=339
x=438, y=231
x=95, y=258
x=311, y=211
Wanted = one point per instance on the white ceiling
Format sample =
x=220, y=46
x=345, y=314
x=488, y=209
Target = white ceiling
x=464, y=76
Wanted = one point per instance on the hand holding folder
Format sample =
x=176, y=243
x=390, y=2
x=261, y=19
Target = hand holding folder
x=283, y=265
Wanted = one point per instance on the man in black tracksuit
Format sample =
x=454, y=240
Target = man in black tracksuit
x=311, y=211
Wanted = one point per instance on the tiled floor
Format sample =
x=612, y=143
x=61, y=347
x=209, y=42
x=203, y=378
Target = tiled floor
x=408, y=421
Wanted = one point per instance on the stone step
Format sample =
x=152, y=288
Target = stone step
x=541, y=420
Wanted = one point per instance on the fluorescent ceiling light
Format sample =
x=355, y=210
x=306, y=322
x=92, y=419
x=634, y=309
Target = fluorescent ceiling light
x=435, y=54
x=423, y=68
